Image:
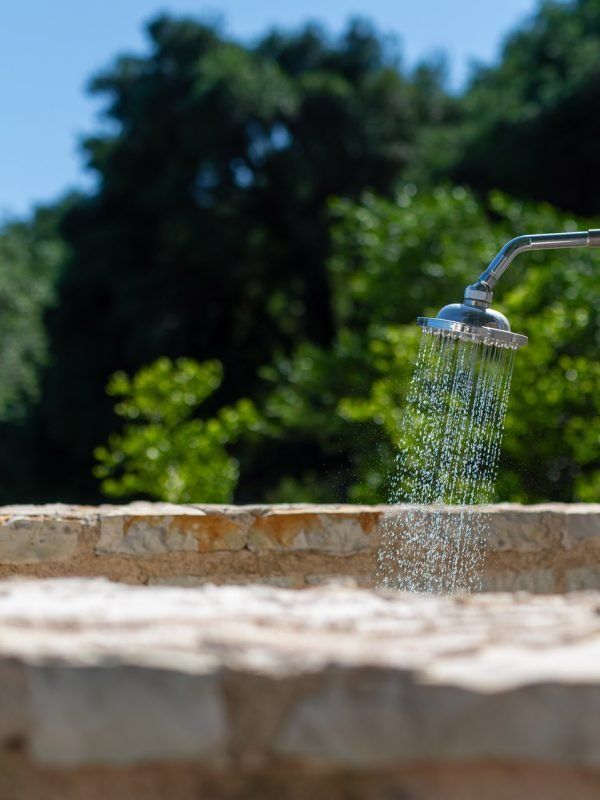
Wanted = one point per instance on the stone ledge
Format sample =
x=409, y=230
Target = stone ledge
x=96, y=673
x=544, y=548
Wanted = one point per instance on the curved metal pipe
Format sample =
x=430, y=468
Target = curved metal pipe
x=479, y=294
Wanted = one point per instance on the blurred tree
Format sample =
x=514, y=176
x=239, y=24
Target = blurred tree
x=30, y=256
x=163, y=452
x=530, y=125
x=208, y=232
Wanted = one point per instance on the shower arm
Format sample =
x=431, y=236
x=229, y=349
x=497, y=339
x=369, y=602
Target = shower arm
x=479, y=294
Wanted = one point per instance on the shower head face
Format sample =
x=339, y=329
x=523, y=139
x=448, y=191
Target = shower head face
x=472, y=324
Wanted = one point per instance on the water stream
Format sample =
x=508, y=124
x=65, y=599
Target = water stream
x=451, y=434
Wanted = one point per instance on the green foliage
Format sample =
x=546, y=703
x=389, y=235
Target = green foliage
x=394, y=261
x=164, y=451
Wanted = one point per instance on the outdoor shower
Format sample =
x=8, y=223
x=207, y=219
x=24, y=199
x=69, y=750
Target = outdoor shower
x=473, y=319
x=451, y=432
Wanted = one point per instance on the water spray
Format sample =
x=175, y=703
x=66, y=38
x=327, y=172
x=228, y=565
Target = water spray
x=451, y=433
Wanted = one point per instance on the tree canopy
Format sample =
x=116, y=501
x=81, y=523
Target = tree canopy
x=208, y=232
x=529, y=125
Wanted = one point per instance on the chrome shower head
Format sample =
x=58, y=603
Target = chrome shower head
x=473, y=320
x=460, y=321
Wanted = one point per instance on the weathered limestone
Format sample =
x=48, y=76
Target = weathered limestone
x=526, y=529
x=580, y=527
x=166, y=529
x=256, y=691
x=545, y=548
x=125, y=714
x=24, y=540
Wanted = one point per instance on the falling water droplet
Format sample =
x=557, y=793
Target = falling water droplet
x=445, y=471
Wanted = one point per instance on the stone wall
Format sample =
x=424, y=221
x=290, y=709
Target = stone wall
x=545, y=548
x=180, y=689
x=259, y=693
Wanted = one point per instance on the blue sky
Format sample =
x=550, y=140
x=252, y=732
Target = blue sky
x=49, y=50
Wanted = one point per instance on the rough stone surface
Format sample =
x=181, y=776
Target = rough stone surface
x=524, y=529
x=336, y=531
x=145, y=530
x=581, y=526
x=126, y=713
x=258, y=693
x=344, y=678
x=24, y=540
x=545, y=548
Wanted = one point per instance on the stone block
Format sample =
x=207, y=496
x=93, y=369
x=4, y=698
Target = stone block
x=142, y=536
x=26, y=539
x=581, y=526
x=333, y=532
x=522, y=529
x=377, y=719
x=125, y=714
x=155, y=534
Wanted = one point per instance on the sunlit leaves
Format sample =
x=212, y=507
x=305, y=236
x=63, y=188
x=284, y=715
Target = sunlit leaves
x=164, y=450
